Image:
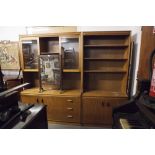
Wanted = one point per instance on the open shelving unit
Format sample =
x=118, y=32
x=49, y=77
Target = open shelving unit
x=106, y=63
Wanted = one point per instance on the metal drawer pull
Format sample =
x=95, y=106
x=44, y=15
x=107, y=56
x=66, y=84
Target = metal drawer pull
x=69, y=108
x=69, y=116
x=70, y=100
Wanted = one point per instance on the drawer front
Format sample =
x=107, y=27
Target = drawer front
x=98, y=110
x=64, y=109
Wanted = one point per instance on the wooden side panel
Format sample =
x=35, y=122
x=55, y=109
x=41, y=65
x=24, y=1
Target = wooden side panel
x=147, y=46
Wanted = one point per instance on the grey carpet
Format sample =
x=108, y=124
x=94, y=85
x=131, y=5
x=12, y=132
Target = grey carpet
x=61, y=126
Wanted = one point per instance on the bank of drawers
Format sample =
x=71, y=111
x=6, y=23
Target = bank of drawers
x=63, y=109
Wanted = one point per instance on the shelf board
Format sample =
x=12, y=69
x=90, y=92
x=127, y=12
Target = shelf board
x=30, y=70
x=105, y=71
x=107, y=45
x=102, y=93
x=46, y=53
x=108, y=59
x=71, y=70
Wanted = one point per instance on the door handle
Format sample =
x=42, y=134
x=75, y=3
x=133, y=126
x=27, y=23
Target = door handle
x=103, y=104
x=108, y=104
x=69, y=100
x=69, y=108
x=69, y=116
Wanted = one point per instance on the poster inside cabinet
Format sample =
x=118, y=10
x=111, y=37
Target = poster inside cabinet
x=50, y=71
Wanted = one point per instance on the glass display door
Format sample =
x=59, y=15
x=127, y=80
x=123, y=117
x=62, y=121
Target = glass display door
x=70, y=52
x=30, y=54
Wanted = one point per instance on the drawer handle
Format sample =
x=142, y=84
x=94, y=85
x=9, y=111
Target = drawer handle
x=69, y=108
x=69, y=100
x=108, y=104
x=42, y=101
x=37, y=100
x=103, y=104
x=69, y=116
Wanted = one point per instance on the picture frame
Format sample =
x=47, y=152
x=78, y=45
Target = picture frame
x=9, y=55
x=49, y=71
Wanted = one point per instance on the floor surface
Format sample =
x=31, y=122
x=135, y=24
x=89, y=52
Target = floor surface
x=61, y=126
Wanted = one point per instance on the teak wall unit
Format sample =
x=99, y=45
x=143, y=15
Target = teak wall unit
x=91, y=88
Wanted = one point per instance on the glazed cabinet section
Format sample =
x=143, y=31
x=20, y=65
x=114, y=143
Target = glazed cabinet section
x=59, y=109
x=98, y=110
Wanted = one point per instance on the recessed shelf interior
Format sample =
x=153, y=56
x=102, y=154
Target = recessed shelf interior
x=49, y=45
x=106, y=40
x=104, y=82
x=71, y=81
x=105, y=65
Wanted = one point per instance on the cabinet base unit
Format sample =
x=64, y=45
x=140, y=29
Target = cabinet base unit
x=98, y=110
x=61, y=107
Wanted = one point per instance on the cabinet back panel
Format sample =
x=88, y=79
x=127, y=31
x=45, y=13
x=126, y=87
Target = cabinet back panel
x=99, y=40
x=105, y=82
x=99, y=65
x=71, y=81
x=49, y=45
x=105, y=53
x=31, y=78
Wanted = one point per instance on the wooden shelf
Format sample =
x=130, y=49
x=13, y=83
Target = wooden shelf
x=71, y=70
x=105, y=71
x=108, y=59
x=46, y=53
x=30, y=70
x=102, y=93
x=107, y=45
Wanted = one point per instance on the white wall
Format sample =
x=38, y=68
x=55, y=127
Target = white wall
x=12, y=33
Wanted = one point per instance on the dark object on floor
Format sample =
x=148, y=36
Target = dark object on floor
x=2, y=85
x=20, y=116
x=136, y=114
x=139, y=112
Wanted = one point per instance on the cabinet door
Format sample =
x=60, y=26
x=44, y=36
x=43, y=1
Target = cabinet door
x=29, y=99
x=99, y=110
x=70, y=51
x=109, y=104
x=93, y=111
x=30, y=52
x=63, y=109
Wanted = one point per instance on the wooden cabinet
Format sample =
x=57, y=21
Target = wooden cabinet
x=98, y=110
x=95, y=64
x=59, y=108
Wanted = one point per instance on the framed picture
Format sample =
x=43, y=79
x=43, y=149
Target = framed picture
x=50, y=71
x=9, y=55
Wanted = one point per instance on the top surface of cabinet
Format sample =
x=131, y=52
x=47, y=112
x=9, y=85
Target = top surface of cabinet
x=35, y=91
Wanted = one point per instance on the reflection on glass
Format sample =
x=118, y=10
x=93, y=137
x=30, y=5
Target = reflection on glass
x=70, y=53
x=50, y=71
x=30, y=54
